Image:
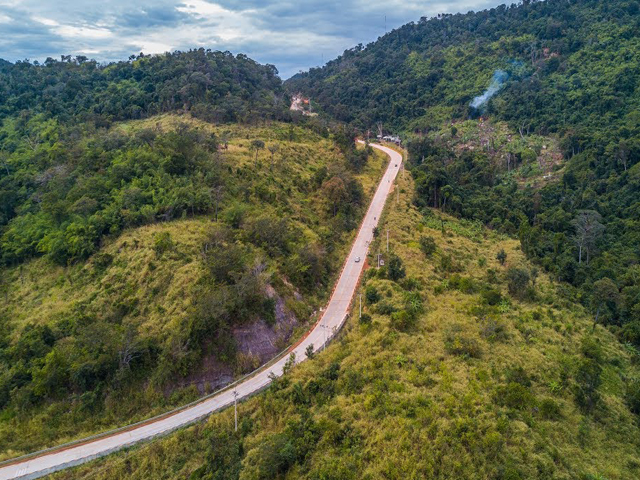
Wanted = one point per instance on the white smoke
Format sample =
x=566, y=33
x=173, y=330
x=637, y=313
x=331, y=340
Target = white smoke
x=497, y=82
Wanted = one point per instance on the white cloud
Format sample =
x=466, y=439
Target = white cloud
x=90, y=33
x=291, y=34
x=46, y=21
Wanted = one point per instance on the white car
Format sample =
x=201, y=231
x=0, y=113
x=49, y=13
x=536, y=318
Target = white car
x=357, y=259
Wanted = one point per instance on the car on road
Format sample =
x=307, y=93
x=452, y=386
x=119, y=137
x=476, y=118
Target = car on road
x=357, y=259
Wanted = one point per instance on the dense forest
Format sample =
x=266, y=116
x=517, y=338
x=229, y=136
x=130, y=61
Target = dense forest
x=216, y=86
x=560, y=69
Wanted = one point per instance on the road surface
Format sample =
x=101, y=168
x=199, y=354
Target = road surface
x=65, y=456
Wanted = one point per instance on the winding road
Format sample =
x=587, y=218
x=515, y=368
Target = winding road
x=75, y=453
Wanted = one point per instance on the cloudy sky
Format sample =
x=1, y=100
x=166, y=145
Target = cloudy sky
x=293, y=35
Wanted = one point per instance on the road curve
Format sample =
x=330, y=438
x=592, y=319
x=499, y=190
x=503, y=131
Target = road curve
x=332, y=319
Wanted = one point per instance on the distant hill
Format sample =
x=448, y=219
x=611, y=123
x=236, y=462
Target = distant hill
x=216, y=86
x=566, y=64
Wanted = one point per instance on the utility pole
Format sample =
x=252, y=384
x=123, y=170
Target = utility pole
x=235, y=406
x=325, y=329
x=385, y=24
x=360, y=306
x=387, y=240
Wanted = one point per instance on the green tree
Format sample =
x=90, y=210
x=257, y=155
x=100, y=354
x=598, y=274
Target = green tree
x=395, y=268
x=256, y=146
x=518, y=281
x=427, y=245
x=502, y=256
x=605, y=296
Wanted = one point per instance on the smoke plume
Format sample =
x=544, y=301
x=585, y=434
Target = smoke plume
x=497, y=82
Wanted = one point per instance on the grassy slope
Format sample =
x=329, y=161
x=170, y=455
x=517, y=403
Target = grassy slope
x=159, y=289
x=438, y=401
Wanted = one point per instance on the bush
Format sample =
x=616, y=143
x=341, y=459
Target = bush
x=270, y=459
x=493, y=329
x=371, y=294
x=588, y=380
x=550, y=409
x=402, y=320
x=427, y=245
x=502, y=256
x=631, y=333
x=395, y=269
x=518, y=282
x=411, y=283
x=491, y=297
x=385, y=308
x=518, y=375
x=633, y=396
x=463, y=284
x=458, y=344
x=515, y=396
x=365, y=319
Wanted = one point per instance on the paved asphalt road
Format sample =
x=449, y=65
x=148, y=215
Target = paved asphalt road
x=331, y=321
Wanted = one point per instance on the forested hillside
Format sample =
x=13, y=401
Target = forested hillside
x=161, y=232
x=239, y=248
x=556, y=73
x=67, y=180
x=216, y=86
x=461, y=367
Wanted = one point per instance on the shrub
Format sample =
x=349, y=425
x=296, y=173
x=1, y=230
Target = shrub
x=491, y=297
x=458, y=344
x=402, y=320
x=413, y=303
x=633, y=396
x=493, y=329
x=411, y=283
x=162, y=242
x=427, y=245
x=492, y=276
x=385, y=308
x=518, y=375
x=550, y=409
x=591, y=348
x=371, y=294
x=309, y=351
x=270, y=459
x=446, y=263
x=518, y=282
x=395, y=269
x=365, y=319
x=588, y=380
x=631, y=333
x=515, y=396
x=502, y=256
